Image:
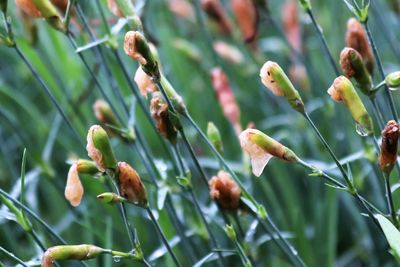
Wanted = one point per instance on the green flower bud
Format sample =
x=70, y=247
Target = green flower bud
x=230, y=232
x=99, y=148
x=306, y=4
x=20, y=217
x=275, y=79
x=137, y=47
x=215, y=137
x=110, y=198
x=353, y=67
x=70, y=252
x=342, y=90
x=261, y=148
x=393, y=79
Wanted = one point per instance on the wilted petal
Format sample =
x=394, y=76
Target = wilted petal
x=73, y=189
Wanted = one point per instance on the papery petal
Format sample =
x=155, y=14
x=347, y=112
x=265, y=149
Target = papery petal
x=73, y=189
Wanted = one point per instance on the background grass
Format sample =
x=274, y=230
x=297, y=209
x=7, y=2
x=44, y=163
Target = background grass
x=325, y=225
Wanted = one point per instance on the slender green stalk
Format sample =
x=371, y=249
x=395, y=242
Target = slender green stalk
x=162, y=235
x=389, y=198
x=67, y=16
x=323, y=41
x=381, y=72
x=12, y=256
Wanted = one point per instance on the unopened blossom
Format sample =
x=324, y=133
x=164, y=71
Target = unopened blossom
x=214, y=136
x=228, y=52
x=131, y=46
x=388, y=153
x=159, y=112
x=226, y=97
x=225, y=191
x=216, y=12
x=144, y=83
x=73, y=189
x=342, y=90
x=275, y=79
x=353, y=67
x=70, y=252
x=110, y=198
x=393, y=79
x=99, y=148
x=104, y=113
x=291, y=25
x=29, y=8
x=181, y=8
x=130, y=185
x=261, y=148
x=357, y=39
x=246, y=15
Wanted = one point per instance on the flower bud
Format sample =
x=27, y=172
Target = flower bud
x=104, y=113
x=137, y=47
x=226, y=98
x=247, y=18
x=130, y=185
x=353, y=67
x=306, y=4
x=230, y=232
x=275, y=79
x=225, y=191
x=29, y=8
x=388, y=154
x=357, y=39
x=181, y=8
x=70, y=252
x=214, y=136
x=228, y=52
x=99, y=148
x=393, y=79
x=342, y=90
x=110, y=198
x=291, y=25
x=73, y=189
x=144, y=83
x=215, y=11
x=88, y=167
x=261, y=148
x=159, y=112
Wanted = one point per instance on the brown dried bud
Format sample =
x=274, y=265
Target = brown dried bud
x=226, y=98
x=225, y=191
x=215, y=11
x=144, y=83
x=388, y=155
x=131, y=185
x=291, y=25
x=159, y=112
x=357, y=39
x=247, y=17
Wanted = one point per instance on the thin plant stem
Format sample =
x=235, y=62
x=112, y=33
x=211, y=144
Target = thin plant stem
x=48, y=93
x=37, y=240
x=162, y=235
x=381, y=72
x=389, y=198
x=12, y=256
x=324, y=42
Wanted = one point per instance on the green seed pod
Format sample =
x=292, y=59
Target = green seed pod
x=353, y=67
x=342, y=90
x=70, y=252
x=393, y=79
x=215, y=137
x=275, y=79
x=230, y=232
x=110, y=198
x=137, y=47
x=99, y=148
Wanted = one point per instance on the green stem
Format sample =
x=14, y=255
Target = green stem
x=162, y=235
x=389, y=199
x=380, y=68
x=12, y=256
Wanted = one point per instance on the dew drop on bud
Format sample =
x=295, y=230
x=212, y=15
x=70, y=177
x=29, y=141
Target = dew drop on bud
x=361, y=130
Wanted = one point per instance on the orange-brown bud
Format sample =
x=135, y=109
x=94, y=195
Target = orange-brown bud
x=181, y=8
x=29, y=8
x=388, y=155
x=291, y=25
x=216, y=12
x=226, y=97
x=130, y=184
x=228, y=52
x=73, y=189
x=225, y=191
x=357, y=39
x=159, y=112
x=144, y=83
x=247, y=18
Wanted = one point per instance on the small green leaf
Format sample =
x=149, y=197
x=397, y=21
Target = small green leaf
x=391, y=233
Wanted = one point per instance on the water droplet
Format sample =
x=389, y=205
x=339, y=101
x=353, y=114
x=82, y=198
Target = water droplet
x=361, y=130
x=117, y=258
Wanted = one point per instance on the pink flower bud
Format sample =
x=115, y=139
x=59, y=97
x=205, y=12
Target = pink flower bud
x=291, y=25
x=228, y=52
x=130, y=46
x=73, y=189
x=181, y=8
x=226, y=97
x=247, y=18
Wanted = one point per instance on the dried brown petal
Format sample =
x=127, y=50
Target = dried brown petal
x=291, y=25
x=159, y=112
x=216, y=12
x=225, y=191
x=144, y=82
x=388, y=155
x=73, y=189
x=93, y=152
x=247, y=18
x=131, y=185
x=29, y=8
